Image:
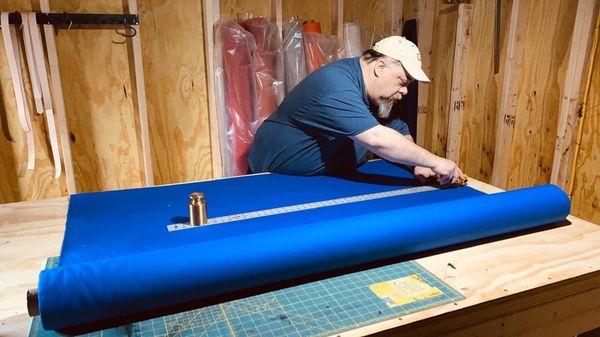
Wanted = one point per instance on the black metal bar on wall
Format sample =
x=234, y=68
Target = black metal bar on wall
x=61, y=20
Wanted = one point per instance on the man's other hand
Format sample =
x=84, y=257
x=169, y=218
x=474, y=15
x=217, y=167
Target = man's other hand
x=424, y=174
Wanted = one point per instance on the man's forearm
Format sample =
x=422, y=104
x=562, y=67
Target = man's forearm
x=391, y=145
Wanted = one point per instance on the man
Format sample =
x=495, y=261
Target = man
x=325, y=124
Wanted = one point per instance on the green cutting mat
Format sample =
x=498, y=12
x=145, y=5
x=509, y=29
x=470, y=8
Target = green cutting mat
x=314, y=309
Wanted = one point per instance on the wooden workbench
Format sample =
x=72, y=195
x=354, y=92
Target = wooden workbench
x=541, y=284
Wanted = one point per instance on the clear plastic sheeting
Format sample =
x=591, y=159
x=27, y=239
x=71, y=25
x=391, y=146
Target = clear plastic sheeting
x=267, y=61
x=254, y=70
x=352, y=39
x=313, y=42
x=248, y=84
x=234, y=52
x=293, y=52
x=319, y=48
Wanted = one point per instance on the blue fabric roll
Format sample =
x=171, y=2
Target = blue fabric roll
x=103, y=283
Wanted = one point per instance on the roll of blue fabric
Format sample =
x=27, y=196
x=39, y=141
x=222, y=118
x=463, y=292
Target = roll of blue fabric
x=93, y=291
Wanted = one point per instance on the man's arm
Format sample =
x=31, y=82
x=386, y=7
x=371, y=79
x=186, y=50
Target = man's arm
x=391, y=145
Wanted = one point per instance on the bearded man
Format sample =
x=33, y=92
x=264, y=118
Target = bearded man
x=329, y=122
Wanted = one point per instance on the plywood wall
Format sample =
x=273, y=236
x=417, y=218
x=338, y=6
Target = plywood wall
x=98, y=84
x=370, y=14
x=479, y=110
x=441, y=65
x=96, y=67
x=541, y=82
x=375, y=16
x=586, y=192
x=233, y=9
x=317, y=10
x=174, y=66
x=16, y=182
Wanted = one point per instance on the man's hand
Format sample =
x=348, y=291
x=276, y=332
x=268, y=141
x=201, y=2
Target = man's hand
x=391, y=145
x=448, y=171
x=423, y=174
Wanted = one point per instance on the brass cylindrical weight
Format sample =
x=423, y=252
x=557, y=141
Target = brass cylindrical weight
x=197, y=208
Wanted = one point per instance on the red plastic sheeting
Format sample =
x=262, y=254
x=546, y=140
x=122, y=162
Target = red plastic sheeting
x=315, y=57
x=266, y=63
x=238, y=47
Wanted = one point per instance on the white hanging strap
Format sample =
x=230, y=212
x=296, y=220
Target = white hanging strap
x=40, y=63
x=28, y=135
x=14, y=64
x=58, y=101
x=33, y=72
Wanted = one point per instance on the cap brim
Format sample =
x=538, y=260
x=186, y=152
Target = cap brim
x=417, y=73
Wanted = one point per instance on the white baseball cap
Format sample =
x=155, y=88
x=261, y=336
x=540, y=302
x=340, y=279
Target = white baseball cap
x=401, y=49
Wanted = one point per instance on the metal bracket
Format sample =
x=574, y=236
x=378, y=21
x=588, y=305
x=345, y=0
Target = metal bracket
x=75, y=19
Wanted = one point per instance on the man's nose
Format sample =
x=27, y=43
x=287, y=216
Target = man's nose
x=403, y=90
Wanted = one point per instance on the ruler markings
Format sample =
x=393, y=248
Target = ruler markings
x=303, y=207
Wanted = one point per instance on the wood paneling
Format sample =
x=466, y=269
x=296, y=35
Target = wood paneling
x=479, y=110
x=576, y=77
x=232, y=9
x=97, y=84
x=586, y=192
x=371, y=15
x=174, y=58
x=441, y=63
x=97, y=74
x=318, y=10
x=16, y=182
x=541, y=80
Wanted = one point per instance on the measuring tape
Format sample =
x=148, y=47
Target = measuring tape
x=303, y=207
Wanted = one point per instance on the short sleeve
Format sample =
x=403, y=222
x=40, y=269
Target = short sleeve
x=400, y=126
x=341, y=113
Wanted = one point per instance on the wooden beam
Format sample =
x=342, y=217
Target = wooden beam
x=59, y=102
x=211, y=10
x=568, y=116
x=424, y=36
x=507, y=112
x=394, y=24
x=456, y=106
x=337, y=24
x=146, y=160
x=277, y=13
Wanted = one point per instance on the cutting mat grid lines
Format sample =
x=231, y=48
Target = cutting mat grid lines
x=318, y=308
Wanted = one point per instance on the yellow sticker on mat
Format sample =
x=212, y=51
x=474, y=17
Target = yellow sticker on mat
x=404, y=290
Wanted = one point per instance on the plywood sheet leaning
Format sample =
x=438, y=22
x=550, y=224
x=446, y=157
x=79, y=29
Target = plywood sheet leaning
x=96, y=79
x=211, y=14
x=586, y=192
x=562, y=164
x=477, y=105
x=140, y=102
x=541, y=85
x=511, y=67
x=441, y=63
x=425, y=15
x=460, y=68
x=17, y=183
x=173, y=52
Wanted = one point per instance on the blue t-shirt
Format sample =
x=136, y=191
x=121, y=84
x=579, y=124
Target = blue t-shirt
x=309, y=132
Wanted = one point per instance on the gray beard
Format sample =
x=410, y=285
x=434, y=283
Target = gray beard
x=385, y=107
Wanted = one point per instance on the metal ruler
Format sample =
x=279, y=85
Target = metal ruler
x=303, y=207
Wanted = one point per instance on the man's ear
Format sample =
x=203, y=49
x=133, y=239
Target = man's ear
x=378, y=69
